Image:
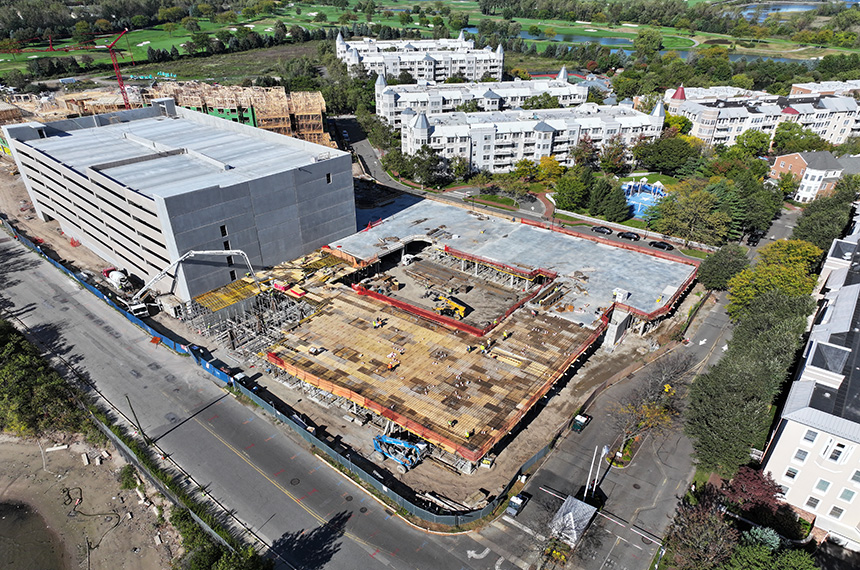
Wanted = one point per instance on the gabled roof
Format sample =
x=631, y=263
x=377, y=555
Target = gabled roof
x=820, y=160
x=790, y=111
x=850, y=164
x=490, y=94
x=542, y=127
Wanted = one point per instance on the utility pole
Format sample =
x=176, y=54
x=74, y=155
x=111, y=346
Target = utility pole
x=146, y=439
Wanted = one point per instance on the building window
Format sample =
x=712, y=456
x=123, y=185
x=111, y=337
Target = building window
x=812, y=503
x=223, y=231
x=232, y=275
x=856, y=477
x=836, y=512
x=328, y=177
x=822, y=485
x=810, y=435
x=791, y=473
x=800, y=455
x=847, y=495
x=226, y=244
x=229, y=261
x=837, y=452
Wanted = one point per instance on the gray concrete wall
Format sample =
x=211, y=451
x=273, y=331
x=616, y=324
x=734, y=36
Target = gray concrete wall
x=272, y=219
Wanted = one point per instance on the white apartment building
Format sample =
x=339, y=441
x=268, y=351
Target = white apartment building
x=365, y=46
x=850, y=88
x=429, y=60
x=497, y=140
x=720, y=120
x=815, y=452
x=398, y=104
x=142, y=187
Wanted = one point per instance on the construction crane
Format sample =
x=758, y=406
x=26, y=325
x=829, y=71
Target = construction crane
x=137, y=308
x=450, y=307
x=117, y=71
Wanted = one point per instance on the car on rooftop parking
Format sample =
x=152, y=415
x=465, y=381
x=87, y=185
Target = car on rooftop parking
x=632, y=236
x=601, y=230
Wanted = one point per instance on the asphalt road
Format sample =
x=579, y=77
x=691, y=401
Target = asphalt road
x=309, y=513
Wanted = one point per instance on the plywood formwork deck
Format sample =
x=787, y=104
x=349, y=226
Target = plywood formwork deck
x=229, y=294
x=438, y=390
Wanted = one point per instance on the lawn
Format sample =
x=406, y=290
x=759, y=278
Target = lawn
x=634, y=223
x=503, y=200
x=694, y=253
x=652, y=177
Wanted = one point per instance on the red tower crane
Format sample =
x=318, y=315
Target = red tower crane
x=117, y=71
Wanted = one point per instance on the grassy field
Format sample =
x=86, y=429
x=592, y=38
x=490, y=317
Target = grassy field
x=133, y=46
x=502, y=200
x=651, y=178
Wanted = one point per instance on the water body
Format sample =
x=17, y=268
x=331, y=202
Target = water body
x=26, y=542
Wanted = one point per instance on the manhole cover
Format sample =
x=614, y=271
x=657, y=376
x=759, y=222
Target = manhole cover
x=295, y=482
x=348, y=498
x=153, y=366
x=362, y=510
x=647, y=540
x=637, y=486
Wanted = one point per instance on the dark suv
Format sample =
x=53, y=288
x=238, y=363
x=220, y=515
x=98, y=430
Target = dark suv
x=632, y=236
x=661, y=245
x=754, y=238
x=602, y=230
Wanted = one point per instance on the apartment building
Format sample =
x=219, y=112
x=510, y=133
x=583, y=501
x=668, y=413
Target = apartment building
x=814, y=452
x=818, y=172
x=849, y=88
x=424, y=60
x=398, y=104
x=497, y=140
x=719, y=119
x=142, y=187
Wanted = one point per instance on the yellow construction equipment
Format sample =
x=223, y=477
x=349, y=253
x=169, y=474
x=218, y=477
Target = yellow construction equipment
x=450, y=307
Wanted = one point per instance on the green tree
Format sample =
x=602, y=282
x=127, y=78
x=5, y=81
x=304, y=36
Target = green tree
x=743, y=81
x=716, y=270
x=321, y=17
x=825, y=219
x=753, y=143
x=170, y=27
x=599, y=192
x=542, y=101
x=793, y=252
x=470, y=106
x=82, y=31
x=428, y=167
x=690, y=213
x=460, y=168
x=525, y=169
x=788, y=183
x=206, y=10
x=405, y=19
x=571, y=192
x=792, y=137
x=666, y=154
x=647, y=43
x=613, y=156
x=681, y=123
x=585, y=152
x=102, y=25
x=190, y=24
x=614, y=206
x=791, y=281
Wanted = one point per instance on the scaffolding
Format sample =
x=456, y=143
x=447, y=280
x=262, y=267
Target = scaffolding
x=299, y=114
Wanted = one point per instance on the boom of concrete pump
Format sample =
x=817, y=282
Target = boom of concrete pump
x=138, y=308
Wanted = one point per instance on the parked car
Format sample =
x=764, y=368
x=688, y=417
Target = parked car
x=632, y=236
x=661, y=245
x=580, y=421
x=345, y=135
x=754, y=238
x=601, y=230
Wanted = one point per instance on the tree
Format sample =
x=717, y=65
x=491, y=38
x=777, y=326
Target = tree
x=542, y=101
x=428, y=167
x=206, y=10
x=750, y=283
x=170, y=27
x=794, y=252
x=102, y=25
x=585, y=152
x=743, y=81
x=571, y=193
x=613, y=156
x=679, y=122
x=700, y=536
x=321, y=17
x=792, y=137
x=825, y=219
x=614, y=206
x=82, y=31
x=190, y=24
x=716, y=270
x=666, y=154
x=525, y=169
x=691, y=213
x=753, y=143
x=460, y=168
x=647, y=43
x=405, y=18
x=548, y=169
x=751, y=488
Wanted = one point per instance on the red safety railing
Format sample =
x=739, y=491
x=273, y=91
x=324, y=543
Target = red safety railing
x=530, y=275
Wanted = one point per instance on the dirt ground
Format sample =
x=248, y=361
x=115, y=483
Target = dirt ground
x=24, y=477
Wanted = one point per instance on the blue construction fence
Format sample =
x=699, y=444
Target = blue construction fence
x=285, y=414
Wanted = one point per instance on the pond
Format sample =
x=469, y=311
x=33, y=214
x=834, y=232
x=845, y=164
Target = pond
x=26, y=541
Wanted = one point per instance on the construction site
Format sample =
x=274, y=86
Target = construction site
x=440, y=329
x=300, y=114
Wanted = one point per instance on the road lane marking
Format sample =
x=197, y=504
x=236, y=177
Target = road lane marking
x=307, y=509
x=249, y=447
x=279, y=472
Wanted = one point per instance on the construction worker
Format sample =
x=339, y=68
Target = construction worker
x=506, y=335
x=469, y=349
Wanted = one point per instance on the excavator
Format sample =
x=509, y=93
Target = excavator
x=450, y=307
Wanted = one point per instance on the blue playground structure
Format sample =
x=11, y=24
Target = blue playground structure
x=642, y=195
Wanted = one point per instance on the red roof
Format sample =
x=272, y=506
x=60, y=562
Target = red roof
x=680, y=94
x=790, y=111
